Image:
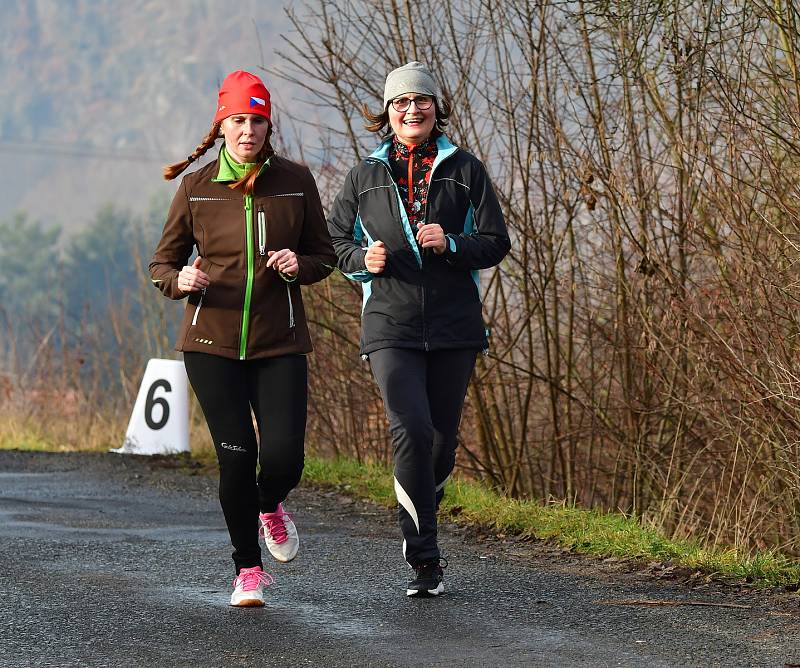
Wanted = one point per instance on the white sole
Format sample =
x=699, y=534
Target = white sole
x=247, y=603
x=426, y=592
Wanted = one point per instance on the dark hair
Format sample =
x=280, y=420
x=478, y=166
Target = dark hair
x=377, y=122
x=247, y=182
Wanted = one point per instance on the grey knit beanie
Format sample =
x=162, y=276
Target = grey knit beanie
x=413, y=77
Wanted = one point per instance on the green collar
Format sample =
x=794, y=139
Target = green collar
x=230, y=170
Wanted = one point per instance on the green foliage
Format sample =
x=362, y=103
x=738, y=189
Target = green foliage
x=103, y=260
x=30, y=276
x=88, y=294
x=40, y=272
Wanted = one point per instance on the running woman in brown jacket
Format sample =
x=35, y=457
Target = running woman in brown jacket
x=259, y=229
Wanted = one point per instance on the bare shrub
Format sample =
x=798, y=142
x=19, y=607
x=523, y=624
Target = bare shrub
x=644, y=326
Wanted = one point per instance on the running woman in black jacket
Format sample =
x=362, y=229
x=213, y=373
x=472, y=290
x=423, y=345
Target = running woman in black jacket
x=414, y=222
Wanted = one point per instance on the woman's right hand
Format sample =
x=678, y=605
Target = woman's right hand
x=375, y=259
x=192, y=278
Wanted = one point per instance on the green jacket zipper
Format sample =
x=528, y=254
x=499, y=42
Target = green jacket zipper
x=248, y=290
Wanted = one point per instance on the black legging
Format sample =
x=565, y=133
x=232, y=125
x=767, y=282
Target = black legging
x=277, y=391
x=423, y=394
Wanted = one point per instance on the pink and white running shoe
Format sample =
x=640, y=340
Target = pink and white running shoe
x=248, y=587
x=280, y=534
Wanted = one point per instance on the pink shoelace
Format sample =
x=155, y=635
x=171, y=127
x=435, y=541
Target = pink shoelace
x=274, y=523
x=250, y=578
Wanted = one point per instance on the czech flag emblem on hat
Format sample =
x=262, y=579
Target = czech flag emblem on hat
x=242, y=93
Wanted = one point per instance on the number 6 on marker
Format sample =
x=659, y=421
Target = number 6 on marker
x=151, y=402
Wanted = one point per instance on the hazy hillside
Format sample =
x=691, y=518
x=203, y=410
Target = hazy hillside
x=95, y=95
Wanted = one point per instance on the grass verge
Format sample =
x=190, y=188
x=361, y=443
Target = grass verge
x=592, y=532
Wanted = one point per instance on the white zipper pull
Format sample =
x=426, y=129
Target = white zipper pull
x=199, y=306
x=262, y=233
x=291, y=306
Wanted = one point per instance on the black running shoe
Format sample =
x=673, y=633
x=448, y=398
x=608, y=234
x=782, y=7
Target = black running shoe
x=428, y=580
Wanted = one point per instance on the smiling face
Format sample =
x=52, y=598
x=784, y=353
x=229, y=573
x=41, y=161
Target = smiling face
x=412, y=126
x=244, y=136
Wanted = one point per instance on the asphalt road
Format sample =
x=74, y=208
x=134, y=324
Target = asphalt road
x=112, y=560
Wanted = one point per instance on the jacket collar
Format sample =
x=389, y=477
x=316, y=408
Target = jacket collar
x=230, y=170
x=402, y=149
x=444, y=146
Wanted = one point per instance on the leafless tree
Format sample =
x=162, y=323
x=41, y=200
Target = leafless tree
x=644, y=327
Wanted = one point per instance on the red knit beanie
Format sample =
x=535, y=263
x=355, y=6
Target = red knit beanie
x=242, y=93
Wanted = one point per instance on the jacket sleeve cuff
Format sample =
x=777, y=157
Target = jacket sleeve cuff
x=174, y=291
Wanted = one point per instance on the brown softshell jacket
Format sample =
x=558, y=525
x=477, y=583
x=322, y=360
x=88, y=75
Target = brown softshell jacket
x=248, y=310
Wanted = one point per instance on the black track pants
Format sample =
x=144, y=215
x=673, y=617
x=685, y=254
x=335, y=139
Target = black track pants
x=276, y=389
x=423, y=394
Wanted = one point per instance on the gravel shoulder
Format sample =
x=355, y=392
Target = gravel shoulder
x=113, y=560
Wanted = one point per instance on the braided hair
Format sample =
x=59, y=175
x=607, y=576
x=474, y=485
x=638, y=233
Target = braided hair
x=247, y=182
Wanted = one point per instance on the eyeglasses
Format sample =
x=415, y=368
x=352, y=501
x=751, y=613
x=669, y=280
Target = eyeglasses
x=422, y=102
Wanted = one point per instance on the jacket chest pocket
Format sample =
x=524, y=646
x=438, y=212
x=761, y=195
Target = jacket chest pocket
x=381, y=216
x=278, y=220
x=219, y=225
x=449, y=205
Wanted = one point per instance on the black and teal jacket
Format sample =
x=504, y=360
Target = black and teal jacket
x=421, y=300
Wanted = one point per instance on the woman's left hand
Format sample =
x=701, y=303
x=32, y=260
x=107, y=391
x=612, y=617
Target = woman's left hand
x=284, y=261
x=431, y=236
